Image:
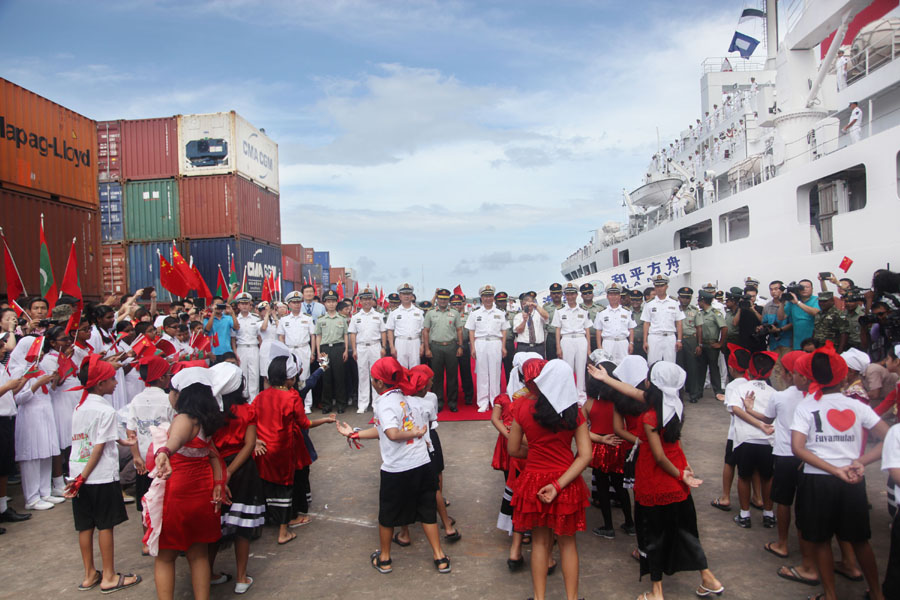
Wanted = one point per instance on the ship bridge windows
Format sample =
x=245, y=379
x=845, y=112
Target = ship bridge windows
x=823, y=202
x=734, y=225
x=695, y=236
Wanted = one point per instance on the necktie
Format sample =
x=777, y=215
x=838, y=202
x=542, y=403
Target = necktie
x=309, y=309
x=530, y=330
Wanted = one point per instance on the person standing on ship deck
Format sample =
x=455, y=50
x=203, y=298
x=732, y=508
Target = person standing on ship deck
x=662, y=319
x=487, y=327
x=854, y=125
x=572, y=337
x=841, y=66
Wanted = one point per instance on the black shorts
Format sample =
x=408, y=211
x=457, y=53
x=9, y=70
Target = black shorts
x=7, y=446
x=437, y=455
x=729, y=453
x=787, y=474
x=750, y=458
x=828, y=506
x=99, y=506
x=141, y=485
x=407, y=497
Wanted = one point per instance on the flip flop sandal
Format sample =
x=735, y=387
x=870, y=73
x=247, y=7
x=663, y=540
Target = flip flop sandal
x=526, y=540
x=98, y=577
x=289, y=540
x=396, y=539
x=716, y=504
x=768, y=548
x=121, y=585
x=846, y=575
x=442, y=561
x=241, y=588
x=220, y=579
x=552, y=568
x=796, y=576
x=453, y=537
x=379, y=565
x=705, y=591
x=301, y=523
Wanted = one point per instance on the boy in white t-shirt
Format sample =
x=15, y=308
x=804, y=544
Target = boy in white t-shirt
x=97, y=501
x=890, y=462
x=831, y=496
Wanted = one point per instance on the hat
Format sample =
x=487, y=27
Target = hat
x=388, y=371
x=613, y=289
x=738, y=358
x=751, y=281
x=501, y=296
x=190, y=376
x=705, y=296
x=394, y=297
x=736, y=291
x=226, y=378
x=557, y=383
x=532, y=293
x=719, y=294
x=633, y=294
x=292, y=367
x=685, y=292
x=586, y=287
x=443, y=294
x=98, y=370
x=456, y=298
x=825, y=296
x=329, y=295
x=836, y=371
x=708, y=287
x=425, y=305
x=486, y=290
x=570, y=289
x=632, y=370
x=514, y=384
x=294, y=297
x=856, y=360
x=660, y=280
x=789, y=360
x=366, y=292
x=669, y=378
x=157, y=367
x=243, y=297
x=262, y=305
x=762, y=364
x=522, y=296
x=405, y=288
x=61, y=312
x=555, y=287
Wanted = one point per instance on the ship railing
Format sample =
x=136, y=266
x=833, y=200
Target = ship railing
x=870, y=59
x=714, y=64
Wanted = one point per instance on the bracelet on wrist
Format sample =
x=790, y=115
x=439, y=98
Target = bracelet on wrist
x=163, y=450
x=555, y=483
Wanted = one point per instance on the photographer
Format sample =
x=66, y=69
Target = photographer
x=38, y=312
x=830, y=324
x=529, y=328
x=747, y=319
x=873, y=331
x=218, y=324
x=800, y=306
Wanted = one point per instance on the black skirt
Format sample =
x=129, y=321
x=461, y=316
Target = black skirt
x=246, y=514
x=437, y=453
x=668, y=540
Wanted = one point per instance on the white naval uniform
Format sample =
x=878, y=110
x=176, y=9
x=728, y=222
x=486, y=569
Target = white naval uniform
x=614, y=325
x=488, y=326
x=298, y=331
x=572, y=324
x=855, y=129
x=368, y=327
x=246, y=347
x=407, y=323
x=267, y=335
x=661, y=315
x=840, y=67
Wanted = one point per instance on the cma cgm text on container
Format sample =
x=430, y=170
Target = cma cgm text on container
x=222, y=143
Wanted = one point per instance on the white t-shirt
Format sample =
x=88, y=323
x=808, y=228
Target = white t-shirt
x=150, y=408
x=890, y=459
x=833, y=426
x=732, y=390
x=392, y=410
x=94, y=422
x=781, y=408
x=744, y=432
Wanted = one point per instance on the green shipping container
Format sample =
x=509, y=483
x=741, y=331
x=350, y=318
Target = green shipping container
x=151, y=210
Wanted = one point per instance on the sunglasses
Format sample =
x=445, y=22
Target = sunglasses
x=879, y=314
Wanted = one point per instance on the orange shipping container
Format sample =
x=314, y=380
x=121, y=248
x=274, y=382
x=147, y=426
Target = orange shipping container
x=215, y=206
x=294, y=251
x=115, y=270
x=47, y=149
x=62, y=222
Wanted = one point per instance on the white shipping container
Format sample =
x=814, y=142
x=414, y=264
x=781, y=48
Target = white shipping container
x=223, y=143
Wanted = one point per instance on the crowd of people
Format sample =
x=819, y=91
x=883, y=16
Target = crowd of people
x=205, y=414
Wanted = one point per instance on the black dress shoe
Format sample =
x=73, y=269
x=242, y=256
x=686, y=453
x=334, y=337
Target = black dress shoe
x=2, y=530
x=454, y=409
x=324, y=411
x=11, y=516
x=340, y=410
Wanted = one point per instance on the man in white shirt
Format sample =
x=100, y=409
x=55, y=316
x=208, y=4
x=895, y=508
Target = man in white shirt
x=298, y=332
x=404, y=329
x=662, y=319
x=841, y=65
x=854, y=125
x=246, y=343
x=573, y=334
x=367, y=337
x=528, y=325
x=487, y=326
x=615, y=327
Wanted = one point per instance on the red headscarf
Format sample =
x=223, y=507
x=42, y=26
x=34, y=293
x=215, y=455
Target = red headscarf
x=756, y=374
x=417, y=378
x=789, y=360
x=186, y=364
x=156, y=367
x=837, y=366
x=98, y=371
x=530, y=370
x=738, y=358
x=389, y=372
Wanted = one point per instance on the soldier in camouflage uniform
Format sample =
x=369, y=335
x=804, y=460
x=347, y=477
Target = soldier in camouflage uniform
x=637, y=307
x=551, y=308
x=854, y=309
x=687, y=357
x=592, y=308
x=830, y=323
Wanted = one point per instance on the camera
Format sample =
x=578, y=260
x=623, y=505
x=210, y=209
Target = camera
x=184, y=317
x=826, y=275
x=763, y=332
x=791, y=291
x=222, y=306
x=745, y=301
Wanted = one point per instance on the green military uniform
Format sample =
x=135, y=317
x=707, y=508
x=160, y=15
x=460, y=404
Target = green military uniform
x=551, y=331
x=443, y=327
x=853, y=337
x=687, y=357
x=636, y=313
x=592, y=311
x=830, y=324
x=710, y=321
x=332, y=331
x=732, y=337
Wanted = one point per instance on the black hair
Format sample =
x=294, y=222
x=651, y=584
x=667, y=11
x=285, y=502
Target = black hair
x=879, y=304
x=95, y=311
x=142, y=327
x=141, y=313
x=762, y=363
x=742, y=357
x=884, y=281
x=848, y=280
x=33, y=299
x=548, y=417
x=812, y=341
x=821, y=368
x=891, y=351
x=219, y=298
x=197, y=401
x=226, y=356
x=51, y=335
x=196, y=324
x=595, y=388
x=123, y=325
x=83, y=372
x=233, y=399
x=278, y=371
x=306, y=285
x=170, y=322
x=342, y=305
x=176, y=303
x=182, y=327
x=777, y=282
x=123, y=299
x=807, y=281
x=751, y=288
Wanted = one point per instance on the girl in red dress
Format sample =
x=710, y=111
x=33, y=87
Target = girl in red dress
x=668, y=540
x=550, y=496
x=195, y=484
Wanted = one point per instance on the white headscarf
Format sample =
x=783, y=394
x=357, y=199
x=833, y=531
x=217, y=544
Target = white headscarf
x=632, y=370
x=293, y=368
x=557, y=383
x=669, y=378
x=600, y=356
x=17, y=364
x=192, y=375
x=226, y=378
x=856, y=360
x=515, y=375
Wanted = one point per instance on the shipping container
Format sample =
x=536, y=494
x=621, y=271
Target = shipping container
x=143, y=266
x=311, y=273
x=151, y=210
x=289, y=267
x=294, y=251
x=114, y=263
x=228, y=206
x=288, y=286
x=337, y=274
x=47, y=150
x=307, y=256
x=149, y=148
x=62, y=222
x=112, y=222
x=109, y=151
x=221, y=143
x=259, y=260
x=323, y=258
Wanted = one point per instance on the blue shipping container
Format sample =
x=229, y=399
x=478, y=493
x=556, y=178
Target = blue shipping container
x=143, y=266
x=286, y=288
x=112, y=226
x=259, y=259
x=312, y=273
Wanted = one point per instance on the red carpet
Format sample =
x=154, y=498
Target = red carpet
x=469, y=412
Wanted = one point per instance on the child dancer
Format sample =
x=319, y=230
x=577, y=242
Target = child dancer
x=550, y=496
x=890, y=462
x=58, y=348
x=304, y=451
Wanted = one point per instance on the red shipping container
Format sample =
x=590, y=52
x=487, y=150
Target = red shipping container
x=115, y=268
x=289, y=267
x=295, y=251
x=46, y=149
x=216, y=206
x=109, y=151
x=337, y=274
x=149, y=148
x=62, y=222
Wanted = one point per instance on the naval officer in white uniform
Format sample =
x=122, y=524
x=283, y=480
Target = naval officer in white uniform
x=298, y=332
x=487, y=326
x=662, y=318
x=246, y=342
x=573, y=336
x=615, y=326
x=367, y=340
x=404, y=326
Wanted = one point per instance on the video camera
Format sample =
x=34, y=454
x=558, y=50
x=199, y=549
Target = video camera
x=791, y=291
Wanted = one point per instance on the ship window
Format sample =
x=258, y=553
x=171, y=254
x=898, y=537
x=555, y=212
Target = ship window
x=830, y=198
x=696, y=236
x=623, y=257
x=568, y=277
x=594, y=267
x=734, y=225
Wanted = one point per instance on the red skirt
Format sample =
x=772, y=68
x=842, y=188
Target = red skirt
x=565, y=515
x=609, y=459
x=189, y=516
x=500, y=462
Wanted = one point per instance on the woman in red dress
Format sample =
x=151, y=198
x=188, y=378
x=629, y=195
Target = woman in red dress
x=195, y=481
x=550, y=496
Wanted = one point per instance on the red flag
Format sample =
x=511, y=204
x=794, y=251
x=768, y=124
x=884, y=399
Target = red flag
x=355, y=289
x=221, y=285
x=19, y=310
x=340, y=289
x=35, y=350
x=183, y=269
x=215, y=339
x=458, y=290
x=48, y=282
x=74, y=322
x=66, y=367
x=201, y=343
x=143, y=347
x=170, y=279
x=202, y=289
x=266, y=290
x=845, y=264
x=166, y=348
x=381, y=297
x=70, y=284
x=14, y=286
x=316, y=288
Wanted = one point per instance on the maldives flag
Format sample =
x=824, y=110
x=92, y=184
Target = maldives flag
x=221, y=285
x=202, y=288
x=232, y=272
x=15, y=289
x=170, y=279
x=71, y=286
x=183, y=269
x=48, y=283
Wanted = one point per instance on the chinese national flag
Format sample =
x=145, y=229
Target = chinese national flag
x=316, y=287
x=458, y=290
x=201, y=343
x=202, y=289
x=266, y=290
x=15, y=289
x=845, y=264
x=170, y=279
x=221, y=285
x=48, y=283
x=166, y=348
x=35, y=350
x=183, y=269
x=340, y=289
x=143, y=347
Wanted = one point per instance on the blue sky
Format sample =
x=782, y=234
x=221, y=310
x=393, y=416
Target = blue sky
x=450, y=142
